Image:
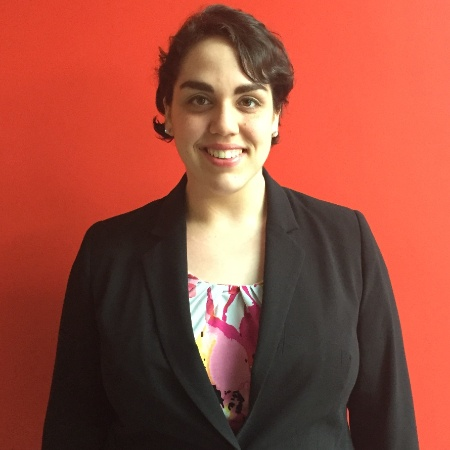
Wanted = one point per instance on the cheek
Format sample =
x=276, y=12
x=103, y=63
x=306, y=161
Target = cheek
x=259, y=129
x=189, y=127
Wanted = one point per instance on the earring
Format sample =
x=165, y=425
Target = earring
x=167, y=132
x=275, y=134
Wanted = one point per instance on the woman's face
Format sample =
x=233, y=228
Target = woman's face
x=222, y=122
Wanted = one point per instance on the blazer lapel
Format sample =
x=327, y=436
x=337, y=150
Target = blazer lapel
x=283, y=262
x=166, y=273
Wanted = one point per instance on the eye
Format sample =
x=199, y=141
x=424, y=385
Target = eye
x=199, y=100
x=249, y=102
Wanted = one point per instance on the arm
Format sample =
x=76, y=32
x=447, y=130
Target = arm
x=380, y=406
x=78, y=411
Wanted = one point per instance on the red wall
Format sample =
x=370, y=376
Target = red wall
x=368, y=126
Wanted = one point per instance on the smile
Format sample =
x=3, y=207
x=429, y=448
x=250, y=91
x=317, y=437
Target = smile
x=224, y=154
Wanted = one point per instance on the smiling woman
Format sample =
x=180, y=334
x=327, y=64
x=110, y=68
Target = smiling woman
x=233, y=313
x=222, y=123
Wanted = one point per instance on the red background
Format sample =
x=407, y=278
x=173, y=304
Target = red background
x=368, y=126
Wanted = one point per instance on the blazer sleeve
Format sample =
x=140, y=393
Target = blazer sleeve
x=78, y=411
x=380, y=406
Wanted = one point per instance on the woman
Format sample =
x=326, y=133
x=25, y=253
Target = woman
x=233, y=313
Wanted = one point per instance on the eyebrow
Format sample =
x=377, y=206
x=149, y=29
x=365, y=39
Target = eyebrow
x=202, y=86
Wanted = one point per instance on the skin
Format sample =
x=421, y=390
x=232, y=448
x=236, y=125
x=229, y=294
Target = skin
x=222, y=123
x=216, y=106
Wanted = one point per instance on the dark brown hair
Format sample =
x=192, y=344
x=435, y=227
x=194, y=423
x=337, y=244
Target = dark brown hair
x=261, y=54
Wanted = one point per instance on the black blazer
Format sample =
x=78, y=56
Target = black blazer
x=128, y=374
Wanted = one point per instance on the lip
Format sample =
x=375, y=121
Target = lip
x=220, y=146
x=223, y=162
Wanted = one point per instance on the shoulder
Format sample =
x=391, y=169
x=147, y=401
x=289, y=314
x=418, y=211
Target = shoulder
x=321, y=215
x=317, y=220
x=313, y=207
x=335, y=226
x=129, y=235
x=126, y=226
x=321, y=225
x=305, y=207
x=137, y=226
x=131, y=221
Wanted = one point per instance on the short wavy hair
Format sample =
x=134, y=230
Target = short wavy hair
x=261, y=54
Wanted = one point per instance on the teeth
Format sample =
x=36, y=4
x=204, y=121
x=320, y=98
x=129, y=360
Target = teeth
x=224, y=154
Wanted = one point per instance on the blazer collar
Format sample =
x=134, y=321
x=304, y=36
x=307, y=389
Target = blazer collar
x=284, y=257
x=166, y=273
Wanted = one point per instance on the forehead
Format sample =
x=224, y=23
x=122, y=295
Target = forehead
x=212, y=57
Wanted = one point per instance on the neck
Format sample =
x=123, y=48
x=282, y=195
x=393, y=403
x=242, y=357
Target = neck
x=243, y=206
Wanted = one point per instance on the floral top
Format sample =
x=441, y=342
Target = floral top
x=225, y=320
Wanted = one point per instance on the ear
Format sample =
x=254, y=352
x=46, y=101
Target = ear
x=275, y=123
x=168, y=118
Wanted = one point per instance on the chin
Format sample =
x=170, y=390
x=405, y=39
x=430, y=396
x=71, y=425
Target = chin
x=233, y=183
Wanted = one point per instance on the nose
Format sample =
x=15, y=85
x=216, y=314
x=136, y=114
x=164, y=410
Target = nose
x=225, y=120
